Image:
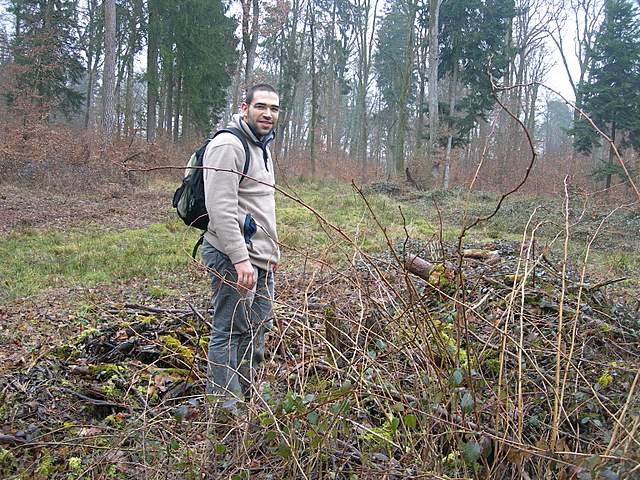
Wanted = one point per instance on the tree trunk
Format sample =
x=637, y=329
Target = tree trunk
x=152, y=70
x=168, y=110
x=178, y=109
x=131, y=50
x=108, y=80
x=401, y=119
x=89, y=94
x=611, y=156
x=250, y=38
x=365, y=40
x=128, y=100
x=452, y=107
x=290, y=74
x=434, y=12
x=314, y=91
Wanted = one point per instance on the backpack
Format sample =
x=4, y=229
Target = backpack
x=188, y=199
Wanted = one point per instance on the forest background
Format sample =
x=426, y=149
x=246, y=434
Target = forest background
x=358, y=82
x=460, y=236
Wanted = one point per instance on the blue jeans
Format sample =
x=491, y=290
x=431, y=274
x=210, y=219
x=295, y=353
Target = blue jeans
x=240, y=320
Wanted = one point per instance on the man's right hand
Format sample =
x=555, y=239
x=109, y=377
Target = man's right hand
x=246, y=274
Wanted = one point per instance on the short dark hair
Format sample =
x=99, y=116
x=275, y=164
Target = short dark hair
x=259, y=87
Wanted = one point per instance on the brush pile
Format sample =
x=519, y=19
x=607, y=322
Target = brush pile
x=493, y=362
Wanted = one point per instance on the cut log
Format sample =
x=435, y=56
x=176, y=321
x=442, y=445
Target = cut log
x=419, y=266
x=437, y=274
x=490, y=256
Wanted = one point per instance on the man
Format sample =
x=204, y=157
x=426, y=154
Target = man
x=240, y=246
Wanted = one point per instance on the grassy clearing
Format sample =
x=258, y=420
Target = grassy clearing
x=339, y=204
x=34, y=260
x=31, y=260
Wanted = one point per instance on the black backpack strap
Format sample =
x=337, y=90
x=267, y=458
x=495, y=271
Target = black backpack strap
x=241, y=136
x=195, y=247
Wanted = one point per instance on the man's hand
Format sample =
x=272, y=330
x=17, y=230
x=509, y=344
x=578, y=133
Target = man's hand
x=246, y=274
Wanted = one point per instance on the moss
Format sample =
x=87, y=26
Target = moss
x=605, y=380
x=75, y=464
x=7, y=460
x=66, y=352
x=493, y=365
x=87, y=332
x=116, y=420
x=172, y=345
x=604, y=327
x=172, y=372
x=110, y=391
x=105, y=369
x=147, y=319
x=203, y=343
x=45, y=466
x=445, y=332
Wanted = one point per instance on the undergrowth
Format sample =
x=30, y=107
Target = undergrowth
x=522, y=366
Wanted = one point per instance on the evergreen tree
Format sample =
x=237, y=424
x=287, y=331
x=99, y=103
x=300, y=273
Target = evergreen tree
x=396, y=79
x=205, y=45
x=46, y=52
x=473, y=36
x=611, y=94
x=194, y=43
x=611, y=97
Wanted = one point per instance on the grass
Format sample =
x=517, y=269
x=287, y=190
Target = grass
x=33, y=260
x=344, y=208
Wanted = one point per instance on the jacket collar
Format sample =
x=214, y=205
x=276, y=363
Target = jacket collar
x=262, y=142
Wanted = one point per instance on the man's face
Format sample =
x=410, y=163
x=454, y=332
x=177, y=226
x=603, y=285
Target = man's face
x=262, y=113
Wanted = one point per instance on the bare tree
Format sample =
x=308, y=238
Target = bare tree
x=585, y=16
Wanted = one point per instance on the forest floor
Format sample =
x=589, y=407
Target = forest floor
x=529, y=366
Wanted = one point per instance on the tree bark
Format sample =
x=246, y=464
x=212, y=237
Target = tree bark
x=108, y=80
x=152, y=70
x=434, y=12
x=168, y=110
x=452, y=107
x=401, y=119
x=178, y=109
x=250, y=38
x=611, y=155
x=314, y=91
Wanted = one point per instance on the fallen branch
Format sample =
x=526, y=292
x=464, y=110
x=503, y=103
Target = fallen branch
x=11, y=440
x=606, y=283
x=94, y=401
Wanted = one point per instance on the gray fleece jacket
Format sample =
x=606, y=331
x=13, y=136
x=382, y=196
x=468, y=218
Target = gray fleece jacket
x=232, y=205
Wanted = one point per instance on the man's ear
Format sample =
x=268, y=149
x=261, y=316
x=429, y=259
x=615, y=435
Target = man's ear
x=244, y=107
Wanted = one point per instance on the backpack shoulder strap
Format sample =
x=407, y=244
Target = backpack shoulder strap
x=240, y=135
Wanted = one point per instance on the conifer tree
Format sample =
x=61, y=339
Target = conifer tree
x=611, y=96
x=45, y=49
